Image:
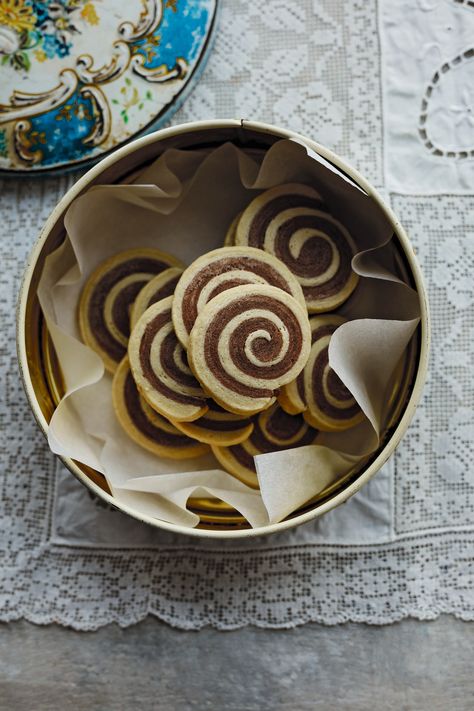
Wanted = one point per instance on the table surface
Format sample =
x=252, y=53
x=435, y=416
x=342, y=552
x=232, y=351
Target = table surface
x=409, y=665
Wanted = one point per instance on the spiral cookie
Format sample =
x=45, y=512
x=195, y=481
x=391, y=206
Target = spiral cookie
x=217, y=426
x=252, y=225
x=159, y=366
x=223, y=269
x=274, y=431
x=247, y=342
x=145, y=426
x=229, y=239
x=158, y=288
x=104, y=307
x=318, y=392
x=292, y=223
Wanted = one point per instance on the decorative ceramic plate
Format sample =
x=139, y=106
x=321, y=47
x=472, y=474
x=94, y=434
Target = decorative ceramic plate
x=81, y=77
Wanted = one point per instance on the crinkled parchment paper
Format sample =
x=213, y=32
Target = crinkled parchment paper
x=183, y=203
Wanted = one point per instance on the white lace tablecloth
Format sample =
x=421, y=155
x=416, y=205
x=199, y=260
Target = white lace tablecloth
x=389, y=86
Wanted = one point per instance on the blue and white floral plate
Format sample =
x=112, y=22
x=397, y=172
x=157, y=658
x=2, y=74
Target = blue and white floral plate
x=80, y=77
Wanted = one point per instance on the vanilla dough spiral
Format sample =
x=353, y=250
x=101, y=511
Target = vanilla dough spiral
x=158, y=288
x=318, y=392
x=217, y=426
x=229, y=239
x=145, y=426
x=107, y=298
x=160, y=368
x=246, y=343
x=292, y=223
x=274, y=431
x=222, y=269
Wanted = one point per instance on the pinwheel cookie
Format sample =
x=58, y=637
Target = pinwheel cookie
x=274, y=430
x=160, y=368
x=246, y=343
x=292, y=223
x=229, y=238
x=217, y=426
x=223, y=269
x=108, y=295
x=145, y=426
x=318, y=392
x=158, y=288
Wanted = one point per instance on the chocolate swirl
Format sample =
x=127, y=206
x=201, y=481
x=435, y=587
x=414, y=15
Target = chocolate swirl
x=246, y=343
x=224, y=269
x=318, y=391
x=274, y=431
x=218, y=427
x=160, y=287
x=160, y=368
x=254, y=221
x=298, y=230
x=106, y=300
x=145, y=426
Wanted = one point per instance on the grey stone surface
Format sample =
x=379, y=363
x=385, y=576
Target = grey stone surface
x=410, y=665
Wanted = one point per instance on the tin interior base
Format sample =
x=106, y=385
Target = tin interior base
x=47, y=381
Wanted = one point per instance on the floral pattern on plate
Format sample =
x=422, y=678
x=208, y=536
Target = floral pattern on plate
x=80, y=77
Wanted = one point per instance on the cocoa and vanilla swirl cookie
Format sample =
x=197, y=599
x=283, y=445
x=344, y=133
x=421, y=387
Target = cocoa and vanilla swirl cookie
x=158, y=288
x=246, y=343
x=318, y=392
x=145, y=426
x=217, y=426
x=222, y=269
x=107, y=298
x=229, y=239
x=292, y=223
x=274, y=431
x=160, y=367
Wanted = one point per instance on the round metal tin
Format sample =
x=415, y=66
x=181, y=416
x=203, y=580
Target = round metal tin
x=41, y=373
x=81, y=77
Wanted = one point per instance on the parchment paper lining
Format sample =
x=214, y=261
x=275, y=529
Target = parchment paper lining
x=209, y=188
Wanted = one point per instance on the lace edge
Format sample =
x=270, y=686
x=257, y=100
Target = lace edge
x=417, y=613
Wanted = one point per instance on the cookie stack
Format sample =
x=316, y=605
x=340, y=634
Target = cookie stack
x=226, y=353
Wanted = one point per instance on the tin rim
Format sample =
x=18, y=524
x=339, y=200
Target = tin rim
x=240, y=126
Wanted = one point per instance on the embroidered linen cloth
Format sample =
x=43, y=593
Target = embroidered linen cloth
x=390, y=87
